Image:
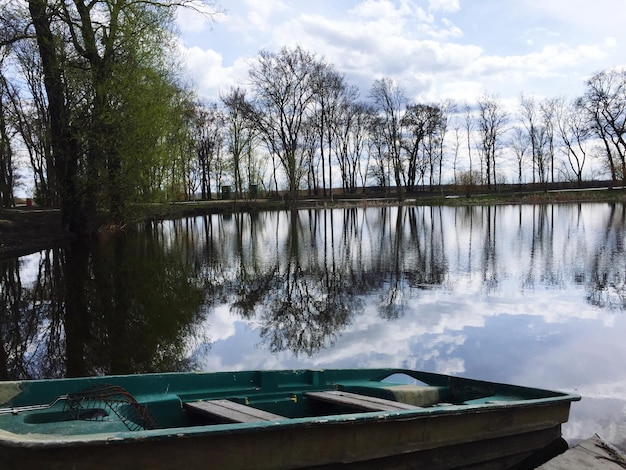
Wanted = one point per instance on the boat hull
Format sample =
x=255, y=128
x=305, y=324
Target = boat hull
x=489, y=434
x=491, y=439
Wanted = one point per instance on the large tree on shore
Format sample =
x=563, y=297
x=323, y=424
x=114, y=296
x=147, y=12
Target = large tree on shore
x=574, y=131
x=284, y=96
x=112, y=98
x=63, y=141
x=604, y=103
x=389, y=100
x=209, y=135
x=331, y=92
x=241, y=137
x=350, y=142
x=33, y=124
x=491, y=123
x=7, y=182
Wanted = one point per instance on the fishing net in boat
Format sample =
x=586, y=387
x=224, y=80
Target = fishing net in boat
x=103, y=402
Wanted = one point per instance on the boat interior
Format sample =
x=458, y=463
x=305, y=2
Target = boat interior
x=189, y=400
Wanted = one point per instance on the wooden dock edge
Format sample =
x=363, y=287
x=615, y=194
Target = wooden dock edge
x=592, y=454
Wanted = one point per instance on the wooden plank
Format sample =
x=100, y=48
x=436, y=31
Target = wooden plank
x=231, y=411
x=360, y=402
x=592, y=454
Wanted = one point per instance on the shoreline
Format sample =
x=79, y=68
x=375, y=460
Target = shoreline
x=25, y=230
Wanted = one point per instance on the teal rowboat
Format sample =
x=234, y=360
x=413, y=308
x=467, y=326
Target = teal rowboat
x=354, y=418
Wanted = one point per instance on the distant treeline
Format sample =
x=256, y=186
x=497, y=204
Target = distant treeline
x=94, y=108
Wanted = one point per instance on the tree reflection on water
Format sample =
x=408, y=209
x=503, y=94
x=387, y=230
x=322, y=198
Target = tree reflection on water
x=120, y=306
x=138, y=301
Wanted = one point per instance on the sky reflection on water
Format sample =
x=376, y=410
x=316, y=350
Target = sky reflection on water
x=539, y=339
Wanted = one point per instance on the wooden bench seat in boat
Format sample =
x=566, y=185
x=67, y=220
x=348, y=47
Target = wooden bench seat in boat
x=359, y=402
x=230, y=411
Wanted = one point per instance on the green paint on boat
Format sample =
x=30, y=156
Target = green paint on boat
x=271, y=419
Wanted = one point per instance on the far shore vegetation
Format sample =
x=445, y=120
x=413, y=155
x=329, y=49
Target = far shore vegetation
x=598, y=191
x=27, y=227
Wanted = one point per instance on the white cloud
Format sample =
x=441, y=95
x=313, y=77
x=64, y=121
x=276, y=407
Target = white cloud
x=447, y=31
x=457, y=90
x=444, y=5
x=389, y=11
x=600, y=16
x=375, y=46
x=432, y=55
x=538, y=35
x=260, y=14
x=551, y=61
x=198, y=16
x=209, y=74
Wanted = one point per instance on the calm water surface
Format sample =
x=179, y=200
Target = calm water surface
x=531, y=295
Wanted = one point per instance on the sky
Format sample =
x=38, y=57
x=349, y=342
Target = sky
x=434, y=49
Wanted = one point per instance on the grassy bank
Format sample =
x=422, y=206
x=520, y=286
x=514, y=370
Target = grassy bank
x=185, y=209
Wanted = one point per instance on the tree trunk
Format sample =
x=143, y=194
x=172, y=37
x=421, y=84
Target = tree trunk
x=64, y=147
x=6, y=162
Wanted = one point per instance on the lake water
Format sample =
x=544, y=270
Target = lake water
x=530, y=295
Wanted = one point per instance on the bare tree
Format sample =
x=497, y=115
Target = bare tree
x=330, y=91
x=33, y=123
x=457, y=146
x=469, y=128
x=63, y=141
x=520, y=143
x=389, y=100
x=7, y=180
x=284, y=89
x=605, y=104
x=572, y=125
x=7, y=163
x=312, y=160
x=419, y=122
x=241, y=135
x=537, y=119
x=380, y=171
x=209, y=127
x=351, y=130
x=491, y=121
x=447, y=108
x=433, y=144
x=548, y=116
